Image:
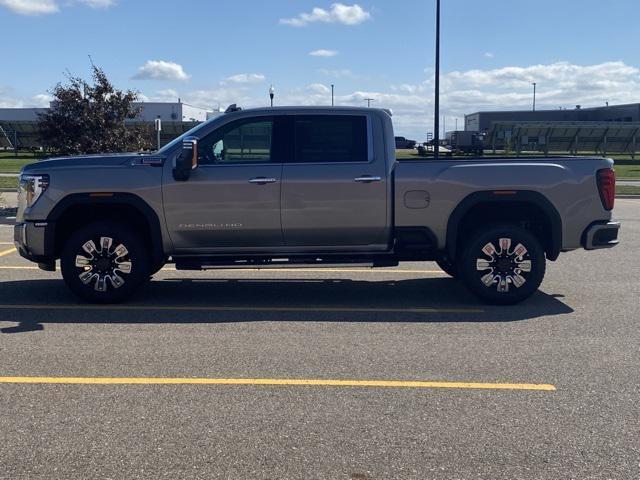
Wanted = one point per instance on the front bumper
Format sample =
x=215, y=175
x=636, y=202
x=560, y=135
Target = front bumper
x=33, y=242
x=601, y=235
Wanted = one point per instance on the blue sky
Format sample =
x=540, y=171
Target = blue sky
x=218, y=52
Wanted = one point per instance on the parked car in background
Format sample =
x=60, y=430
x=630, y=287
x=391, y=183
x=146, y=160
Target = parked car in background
x=404, y=144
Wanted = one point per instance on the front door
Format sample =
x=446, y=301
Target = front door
x=232, y=200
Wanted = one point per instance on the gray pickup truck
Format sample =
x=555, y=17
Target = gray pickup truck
x=314, y=186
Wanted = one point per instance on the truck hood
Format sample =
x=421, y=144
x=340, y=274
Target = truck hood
x=100, y=160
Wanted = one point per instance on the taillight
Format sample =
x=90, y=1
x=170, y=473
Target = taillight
x=607, y=187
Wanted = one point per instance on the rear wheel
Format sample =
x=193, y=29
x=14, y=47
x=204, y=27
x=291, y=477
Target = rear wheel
x=104, y=262
x=503, y=264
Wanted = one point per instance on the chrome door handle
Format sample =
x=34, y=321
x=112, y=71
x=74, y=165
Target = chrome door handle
x=367, y=179
x=263, y=180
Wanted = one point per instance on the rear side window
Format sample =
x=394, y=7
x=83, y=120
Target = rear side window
x=330, y=138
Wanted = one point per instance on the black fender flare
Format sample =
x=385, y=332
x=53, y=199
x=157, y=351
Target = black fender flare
x=502, y=196
x=115, y=198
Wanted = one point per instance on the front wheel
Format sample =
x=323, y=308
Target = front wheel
x=104, y=262
x=503, y=264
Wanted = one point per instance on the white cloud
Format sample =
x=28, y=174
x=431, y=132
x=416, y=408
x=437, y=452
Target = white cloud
x=245, y=78
x=30, y=7
x=318, y=88
x=489, y=54
x=161, y=70
x=44, y=7
x=337, y=73
x=9, y=100
x=323, y=53
x=339, y=13
x=98, y=3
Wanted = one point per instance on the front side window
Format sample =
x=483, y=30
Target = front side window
x=244, y=141
x=330, y=138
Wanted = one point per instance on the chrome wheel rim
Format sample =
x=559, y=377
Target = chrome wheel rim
x=103, y=265
x=504, y=267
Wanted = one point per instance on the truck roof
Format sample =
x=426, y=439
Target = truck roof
x=284, y=109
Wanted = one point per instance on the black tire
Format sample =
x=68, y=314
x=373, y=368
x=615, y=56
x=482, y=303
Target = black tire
x=448, y=267
x=504, y=280
x=109, y=277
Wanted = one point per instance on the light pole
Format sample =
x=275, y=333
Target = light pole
x=369, y=100
x=332, y=101
x=272, y=93
x=436, y=104
x=534, y=96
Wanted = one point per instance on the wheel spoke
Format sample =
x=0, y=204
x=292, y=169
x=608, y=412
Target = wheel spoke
x=520, y=250
x=482, y=264
x=82, y=262
x=503, y=284
x=121, y=251
x=86, y=277
x=105, y=244
x=89, y=247
x=101, y=283
x=489, y=249
x=124, y=267
x=488, y=279
x=116, y=280
x=524, y=266
x=518, y=280
x=505, y=245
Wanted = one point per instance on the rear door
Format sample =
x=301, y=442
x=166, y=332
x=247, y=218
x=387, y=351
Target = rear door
x=334, y=190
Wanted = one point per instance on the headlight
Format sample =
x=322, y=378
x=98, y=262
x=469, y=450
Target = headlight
x=31, y=188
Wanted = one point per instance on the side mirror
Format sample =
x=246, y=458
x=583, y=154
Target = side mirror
x=187, y=160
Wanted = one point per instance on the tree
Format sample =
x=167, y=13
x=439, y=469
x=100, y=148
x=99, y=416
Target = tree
x=90, y=118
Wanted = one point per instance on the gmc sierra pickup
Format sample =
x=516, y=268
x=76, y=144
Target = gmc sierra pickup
x=302, y=185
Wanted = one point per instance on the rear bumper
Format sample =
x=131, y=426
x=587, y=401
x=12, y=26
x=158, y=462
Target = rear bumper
x=601, y=235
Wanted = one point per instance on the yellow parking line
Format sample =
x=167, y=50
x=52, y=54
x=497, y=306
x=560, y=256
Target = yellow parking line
x=275, y=382
x=205, y=308
x=7, y=252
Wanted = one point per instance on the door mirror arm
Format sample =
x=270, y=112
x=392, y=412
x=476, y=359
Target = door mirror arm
x=186, y=160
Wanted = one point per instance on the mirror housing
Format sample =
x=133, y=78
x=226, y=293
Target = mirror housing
x=187, y=160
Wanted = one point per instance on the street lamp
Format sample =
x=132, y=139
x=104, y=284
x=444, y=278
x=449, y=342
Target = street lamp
x=436, y=103
x=272, y=93
x=332, y=103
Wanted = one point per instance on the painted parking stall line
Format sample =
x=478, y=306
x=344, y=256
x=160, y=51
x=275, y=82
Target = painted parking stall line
x=4, y=253
x=285, y=382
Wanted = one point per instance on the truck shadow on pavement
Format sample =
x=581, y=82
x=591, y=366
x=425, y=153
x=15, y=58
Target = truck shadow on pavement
x=33, y=303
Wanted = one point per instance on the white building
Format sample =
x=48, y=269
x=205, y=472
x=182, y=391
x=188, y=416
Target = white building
x=149, y=111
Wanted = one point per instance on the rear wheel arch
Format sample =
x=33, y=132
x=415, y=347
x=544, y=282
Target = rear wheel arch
x=78, y=210
x=530, y=209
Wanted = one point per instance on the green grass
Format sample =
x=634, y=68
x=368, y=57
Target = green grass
x=628, y=171
x=8, y=182
x=9, y=163
x=628, y=190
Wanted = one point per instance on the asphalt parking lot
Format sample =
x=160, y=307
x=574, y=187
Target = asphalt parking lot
x=324, y=374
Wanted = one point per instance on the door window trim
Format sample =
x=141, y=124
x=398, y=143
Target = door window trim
x=257, y=118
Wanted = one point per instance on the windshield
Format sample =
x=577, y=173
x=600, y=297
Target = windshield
x=176, y=141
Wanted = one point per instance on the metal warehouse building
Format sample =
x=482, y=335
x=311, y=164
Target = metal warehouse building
x=483, y=121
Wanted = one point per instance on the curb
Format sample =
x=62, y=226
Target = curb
x=627, y=196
